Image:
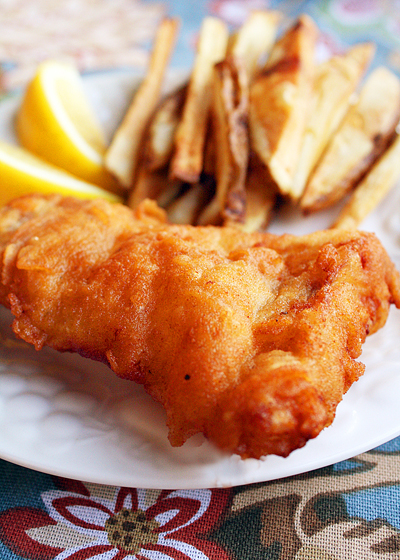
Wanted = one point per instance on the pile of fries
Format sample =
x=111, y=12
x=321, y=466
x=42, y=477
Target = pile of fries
x=258, y=121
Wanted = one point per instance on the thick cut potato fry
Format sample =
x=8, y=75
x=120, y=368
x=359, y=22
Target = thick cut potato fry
x=279, y=102
x=123, y=153
x=210, y=215
x=255, y=39
x=261, y=196
x=158, y=143
x=186, y=208
x=153, y=185
x=376, y=184
x=335, y=81
x=230, y=126
x=363, y=135
x=187, y=160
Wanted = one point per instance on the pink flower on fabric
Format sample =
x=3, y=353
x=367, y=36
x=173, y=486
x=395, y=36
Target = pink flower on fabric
x=108, y=523
x=235, y=11
x=357, y=12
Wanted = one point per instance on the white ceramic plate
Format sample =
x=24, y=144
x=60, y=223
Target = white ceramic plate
x=72, y=417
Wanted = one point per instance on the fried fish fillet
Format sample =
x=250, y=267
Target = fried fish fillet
x=251, y=339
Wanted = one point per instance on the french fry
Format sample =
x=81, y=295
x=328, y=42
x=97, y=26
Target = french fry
x=210, y=215
x=223, y=147
x=335, y=81
x=228, y=142
x=255, y=39
x=363, y=135
x=261, y=196
x=123, y=153
x=187, y=160
x=186, y=208
x=371, y=190
x=153, y=185
x=158, y=143
x=279, y=102
x=171, y=190
x=230, y=126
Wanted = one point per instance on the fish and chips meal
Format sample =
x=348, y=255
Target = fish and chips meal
x=247, y=337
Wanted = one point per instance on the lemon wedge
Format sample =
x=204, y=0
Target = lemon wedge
x=22, y=172
x=56, y=122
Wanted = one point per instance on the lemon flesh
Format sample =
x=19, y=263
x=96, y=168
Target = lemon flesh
x=55, y=121
x=22, y=172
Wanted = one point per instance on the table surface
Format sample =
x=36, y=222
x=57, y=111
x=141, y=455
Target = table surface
x=347, y=510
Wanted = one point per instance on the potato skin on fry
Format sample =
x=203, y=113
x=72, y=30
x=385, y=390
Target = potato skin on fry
x=249, y=338
x=230, y=128
x=365, y=133
x=279, y=101
x=370, y=191
x=158, y=142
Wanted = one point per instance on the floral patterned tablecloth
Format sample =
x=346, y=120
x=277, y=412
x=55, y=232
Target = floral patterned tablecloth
x=350, y=510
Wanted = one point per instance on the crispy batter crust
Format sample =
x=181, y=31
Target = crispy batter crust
x=251, y=339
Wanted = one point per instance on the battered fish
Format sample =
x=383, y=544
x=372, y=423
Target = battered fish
x=251, y=339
